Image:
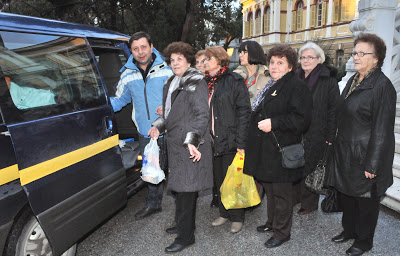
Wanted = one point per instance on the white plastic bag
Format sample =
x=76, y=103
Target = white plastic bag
x=151, y=171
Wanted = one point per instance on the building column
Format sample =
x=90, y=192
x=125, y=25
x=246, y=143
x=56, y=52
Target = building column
x=271, y=21
x=288, y=20
x=254, y=22
x=330, y=18
x=308, y=16
x=244, y=24
x=277, y=20
x=262, y=24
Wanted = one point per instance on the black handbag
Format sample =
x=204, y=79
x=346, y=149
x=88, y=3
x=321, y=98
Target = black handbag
x=315, y=180
x=331, y=202
x=292, y=155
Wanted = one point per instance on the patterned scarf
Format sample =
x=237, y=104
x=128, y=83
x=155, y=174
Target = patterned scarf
x=212, y=80
x=356, y=83
x=260, y=96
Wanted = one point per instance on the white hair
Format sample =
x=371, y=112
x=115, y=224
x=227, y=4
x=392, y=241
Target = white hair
x=315, y=47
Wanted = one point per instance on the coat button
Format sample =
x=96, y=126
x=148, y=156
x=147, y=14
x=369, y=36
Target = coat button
x=215, y=117
x=216, y=136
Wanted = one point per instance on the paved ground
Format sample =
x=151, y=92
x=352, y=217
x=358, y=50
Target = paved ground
x=311, y=234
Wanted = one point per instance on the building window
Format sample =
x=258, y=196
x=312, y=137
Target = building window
x=339, y=58
x=299, y=19
x=258, y=22
x=344, y=10
x=321, y=13
x=267, y=19
x=248, y=26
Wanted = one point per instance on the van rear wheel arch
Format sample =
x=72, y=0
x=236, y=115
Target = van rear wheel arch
x=27, y=236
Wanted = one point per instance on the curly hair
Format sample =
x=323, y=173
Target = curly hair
x=378, y=44
x=255, y=51
x=284, y=50
x=219, y=53
x=179, y=47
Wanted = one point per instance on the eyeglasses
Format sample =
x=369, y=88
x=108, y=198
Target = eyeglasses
x=308, y=57
x=200, y=61
x=243, y=52
x=360, y=54
x=208, y=59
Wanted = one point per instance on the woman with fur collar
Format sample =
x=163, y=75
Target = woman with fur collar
x=252, y=67
x=185, y=120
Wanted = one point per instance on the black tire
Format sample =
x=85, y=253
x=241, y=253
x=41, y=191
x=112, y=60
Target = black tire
x=28, y=238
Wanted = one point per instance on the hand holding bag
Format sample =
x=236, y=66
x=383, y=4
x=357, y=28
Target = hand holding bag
x=292, y=155
x=315, y=180
x=151, y=171
x=238, y=189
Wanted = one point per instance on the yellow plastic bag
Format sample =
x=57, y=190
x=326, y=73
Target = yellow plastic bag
x=238, y=189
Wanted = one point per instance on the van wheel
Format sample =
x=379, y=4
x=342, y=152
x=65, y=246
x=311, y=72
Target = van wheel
x=32, y=240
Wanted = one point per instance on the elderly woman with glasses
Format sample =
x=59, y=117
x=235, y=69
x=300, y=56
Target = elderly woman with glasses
x=200, y=59
x=361, y=169
x=229, y=114
x=252, y=67
x=322, y=82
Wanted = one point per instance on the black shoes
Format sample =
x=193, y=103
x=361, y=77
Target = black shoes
x=264, y=228
x=273, y=242
x=341, y=238
x=172, y=230
x=353, y=251
x=146, y=212
x=175, y=247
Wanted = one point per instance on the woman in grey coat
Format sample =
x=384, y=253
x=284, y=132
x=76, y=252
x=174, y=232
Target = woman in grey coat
x=185, y=121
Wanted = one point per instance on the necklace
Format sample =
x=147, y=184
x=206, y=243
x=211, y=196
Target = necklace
x=254, y=81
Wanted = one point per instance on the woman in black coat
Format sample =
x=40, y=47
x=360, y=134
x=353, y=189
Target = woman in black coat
x=185, y=120
x=282, y=108
x=322, y=82
x=229, y=114
x=361, y=169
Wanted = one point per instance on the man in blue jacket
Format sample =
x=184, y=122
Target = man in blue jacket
x=142, y=81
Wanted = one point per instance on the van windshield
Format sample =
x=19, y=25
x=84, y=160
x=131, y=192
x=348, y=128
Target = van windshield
x=49, y=71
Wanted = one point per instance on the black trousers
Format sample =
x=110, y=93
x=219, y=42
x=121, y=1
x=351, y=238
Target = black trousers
x=220, y=167
x=309, y=200
x=279, y=208
x=360, y=215
x=185, y=216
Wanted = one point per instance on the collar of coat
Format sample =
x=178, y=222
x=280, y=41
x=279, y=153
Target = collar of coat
x=272, y=92
x=189, y=80
x=366, y=83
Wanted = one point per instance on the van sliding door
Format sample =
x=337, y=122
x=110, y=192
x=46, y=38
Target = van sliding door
x=62, y=129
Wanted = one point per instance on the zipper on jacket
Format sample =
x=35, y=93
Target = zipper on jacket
x=145, y=100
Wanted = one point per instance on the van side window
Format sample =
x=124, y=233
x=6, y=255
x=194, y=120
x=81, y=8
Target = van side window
x=47, y=75
x=110, y=61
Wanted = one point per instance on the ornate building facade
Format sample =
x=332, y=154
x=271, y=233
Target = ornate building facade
x=325, y=22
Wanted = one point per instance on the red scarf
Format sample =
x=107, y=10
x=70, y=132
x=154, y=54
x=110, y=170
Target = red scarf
x=212, y=80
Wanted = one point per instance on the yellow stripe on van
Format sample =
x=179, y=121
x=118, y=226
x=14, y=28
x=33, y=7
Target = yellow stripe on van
x=9, y=174
x=43, y=169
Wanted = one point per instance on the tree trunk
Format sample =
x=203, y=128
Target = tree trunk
x=191, y=7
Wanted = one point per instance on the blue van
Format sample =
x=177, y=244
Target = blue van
x=62, y=171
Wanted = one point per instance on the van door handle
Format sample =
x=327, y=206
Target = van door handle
x=109, y=125
x=6, y=133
